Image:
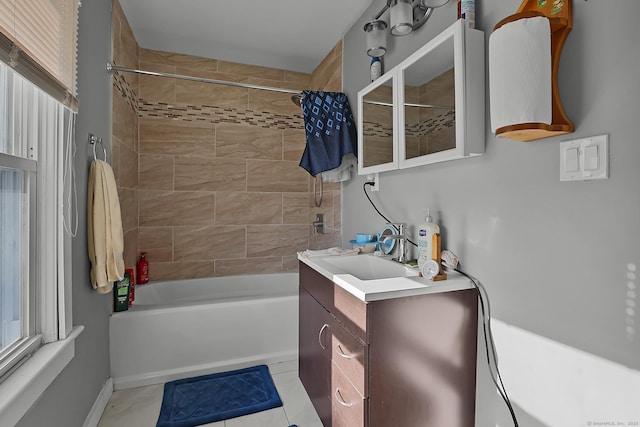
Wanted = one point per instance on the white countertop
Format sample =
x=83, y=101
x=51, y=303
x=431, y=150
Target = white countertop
x=381, y=289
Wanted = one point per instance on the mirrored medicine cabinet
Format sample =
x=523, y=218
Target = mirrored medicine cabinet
x=427, y=109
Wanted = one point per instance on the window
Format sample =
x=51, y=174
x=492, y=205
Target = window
x=32, y=138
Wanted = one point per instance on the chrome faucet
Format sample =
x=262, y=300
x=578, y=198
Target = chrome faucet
x=401, y=237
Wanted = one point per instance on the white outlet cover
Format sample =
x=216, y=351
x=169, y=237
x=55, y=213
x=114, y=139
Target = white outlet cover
x=592, y=159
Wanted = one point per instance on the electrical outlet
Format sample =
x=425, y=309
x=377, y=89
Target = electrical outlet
x=375, y=178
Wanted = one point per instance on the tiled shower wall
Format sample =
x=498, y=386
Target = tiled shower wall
x=218, y=189
x=124, y=143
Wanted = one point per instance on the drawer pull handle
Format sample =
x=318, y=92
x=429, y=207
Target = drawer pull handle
x=341, y=400
x=343, y=354
x=325, y=326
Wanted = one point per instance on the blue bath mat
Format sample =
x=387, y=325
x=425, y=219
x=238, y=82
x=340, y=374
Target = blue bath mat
x=201, y=400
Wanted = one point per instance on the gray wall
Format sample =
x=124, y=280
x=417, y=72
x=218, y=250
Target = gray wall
x=70, y=397
x=556, y=257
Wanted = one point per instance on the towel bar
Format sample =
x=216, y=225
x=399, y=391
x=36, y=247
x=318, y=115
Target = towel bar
x=95, y=140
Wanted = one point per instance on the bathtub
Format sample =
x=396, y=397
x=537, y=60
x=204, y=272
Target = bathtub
x=193, y=327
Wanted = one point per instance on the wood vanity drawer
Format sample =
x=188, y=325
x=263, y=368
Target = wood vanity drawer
x=351, y=312
x=317, y=285
x=348, y=406
x=351, y=355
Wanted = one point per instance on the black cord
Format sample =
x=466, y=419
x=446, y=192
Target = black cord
x=364, y=188
x=486, y=321
x=489, y=343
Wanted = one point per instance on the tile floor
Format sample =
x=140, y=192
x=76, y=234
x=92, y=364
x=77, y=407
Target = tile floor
x=140, y=407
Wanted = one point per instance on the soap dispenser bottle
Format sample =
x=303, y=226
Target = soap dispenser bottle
x=425, y=240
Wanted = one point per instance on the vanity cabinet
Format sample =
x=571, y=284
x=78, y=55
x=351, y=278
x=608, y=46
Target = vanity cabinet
x=408, y=361
x=427, y=109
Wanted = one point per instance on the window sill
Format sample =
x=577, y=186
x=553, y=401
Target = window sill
x=25, y=386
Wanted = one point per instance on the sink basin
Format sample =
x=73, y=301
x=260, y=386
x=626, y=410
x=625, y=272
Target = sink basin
x=368, y=267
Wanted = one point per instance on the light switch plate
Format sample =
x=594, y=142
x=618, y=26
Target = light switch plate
x=592, y=160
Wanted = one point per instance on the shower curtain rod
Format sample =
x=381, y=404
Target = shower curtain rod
x=111, y=68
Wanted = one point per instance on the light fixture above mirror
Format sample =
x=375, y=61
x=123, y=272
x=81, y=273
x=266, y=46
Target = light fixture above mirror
x=406, y=16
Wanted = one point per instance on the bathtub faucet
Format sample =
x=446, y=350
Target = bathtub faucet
x=401, y=237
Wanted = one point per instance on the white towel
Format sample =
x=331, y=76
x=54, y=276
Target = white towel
x=104, y=228
x=328, y=252
x=342, y=172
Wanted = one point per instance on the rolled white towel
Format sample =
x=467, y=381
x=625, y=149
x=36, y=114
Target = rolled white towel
x=328, y=252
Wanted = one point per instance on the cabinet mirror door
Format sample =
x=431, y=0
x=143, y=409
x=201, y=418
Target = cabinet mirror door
x=377, y=130
x=428, y=96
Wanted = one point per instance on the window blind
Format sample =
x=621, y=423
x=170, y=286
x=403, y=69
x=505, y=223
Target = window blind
x=45, y=35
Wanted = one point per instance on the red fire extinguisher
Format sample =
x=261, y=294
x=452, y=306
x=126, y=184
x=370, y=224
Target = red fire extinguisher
x=143, y=269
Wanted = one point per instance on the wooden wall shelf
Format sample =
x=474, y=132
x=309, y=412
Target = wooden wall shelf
x=559, y=13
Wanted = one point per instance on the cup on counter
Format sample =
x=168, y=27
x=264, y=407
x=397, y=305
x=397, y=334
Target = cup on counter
x=364, y=238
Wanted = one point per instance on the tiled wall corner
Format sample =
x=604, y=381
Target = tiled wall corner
x=124, y=143
x=216, y=182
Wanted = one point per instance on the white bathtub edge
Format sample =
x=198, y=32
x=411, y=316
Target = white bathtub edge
x=289, y=361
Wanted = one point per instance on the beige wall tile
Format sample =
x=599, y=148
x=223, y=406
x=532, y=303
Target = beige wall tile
x=129, y=46
x=180, y=270
x=276, y=240
x=248, y=142
x=114, y=156
x=264, y=100
x=123, y=119
x=326, y=186
x=195, y=173
x=178, y=60
x=297, y=77
x=295, y=142
x=279, y=176
x=328, y=74
x=128, y=208
x=295, y=208
x=196, y=93
x=155, y=172
x=337, y=211
x=128, y=167
x=248, y=208
x=130, y=248
x=164, y=208
x=158, y=137
x=153, y=88
x=324, y=241
x=290, y=264
x=157, y=242
x=250, y=70
x=136, y=139
x=209, y=242
x=275, y=83
x=125, y=50
x=233, y=267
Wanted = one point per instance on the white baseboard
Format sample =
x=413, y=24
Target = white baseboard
x=278, y=361
x=99, y=405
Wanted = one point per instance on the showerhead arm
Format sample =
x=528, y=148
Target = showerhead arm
x=297, y=99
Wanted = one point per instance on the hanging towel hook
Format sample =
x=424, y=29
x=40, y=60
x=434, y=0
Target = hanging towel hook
x=95, y=140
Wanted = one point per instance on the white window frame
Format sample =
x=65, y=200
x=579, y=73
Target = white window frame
x=48, y=302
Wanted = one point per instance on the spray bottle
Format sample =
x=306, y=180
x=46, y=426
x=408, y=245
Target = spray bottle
x=375, y=68
x=426, y=231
